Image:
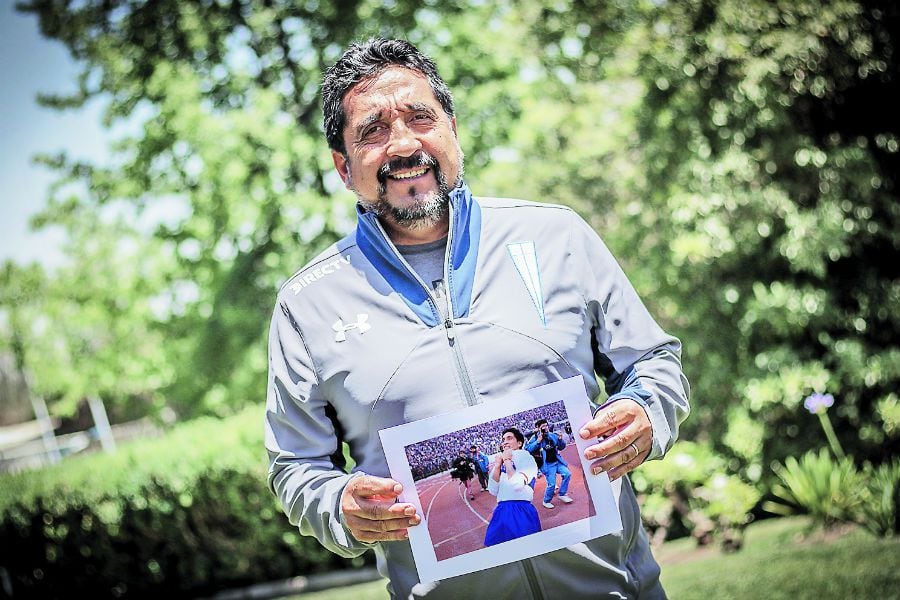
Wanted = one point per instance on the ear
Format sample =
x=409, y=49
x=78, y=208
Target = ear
x=342, y=166
x=453, y=126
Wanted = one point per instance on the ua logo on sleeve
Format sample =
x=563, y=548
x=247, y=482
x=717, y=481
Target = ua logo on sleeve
x=340, y=330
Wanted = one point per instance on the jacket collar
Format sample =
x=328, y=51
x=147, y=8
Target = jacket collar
x=459, y=263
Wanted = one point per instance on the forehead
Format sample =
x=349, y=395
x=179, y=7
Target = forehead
x=395, y=88
x=509, y=434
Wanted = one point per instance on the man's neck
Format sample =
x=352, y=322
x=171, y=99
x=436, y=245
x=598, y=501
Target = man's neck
x=410, y=236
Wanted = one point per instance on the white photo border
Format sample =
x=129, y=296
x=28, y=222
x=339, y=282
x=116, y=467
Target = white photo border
x=606, y=519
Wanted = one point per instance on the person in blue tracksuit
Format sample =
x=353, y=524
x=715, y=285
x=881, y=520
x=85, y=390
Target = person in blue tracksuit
x=481, y=466
x=440, y=300
x=551, y=446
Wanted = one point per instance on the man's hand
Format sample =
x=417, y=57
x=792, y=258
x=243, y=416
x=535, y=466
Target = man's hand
x=371, y=513
x=628, y=438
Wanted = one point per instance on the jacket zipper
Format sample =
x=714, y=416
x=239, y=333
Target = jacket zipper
x=459, y=362
x=462, y=371
x=531, y=576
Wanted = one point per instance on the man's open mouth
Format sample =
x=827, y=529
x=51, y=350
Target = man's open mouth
x=409, y=174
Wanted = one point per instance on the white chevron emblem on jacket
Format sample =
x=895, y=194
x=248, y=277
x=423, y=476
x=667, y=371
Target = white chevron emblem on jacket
x=524, y=256
x=340, y=330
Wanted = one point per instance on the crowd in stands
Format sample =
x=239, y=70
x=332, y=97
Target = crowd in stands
x=434, y=455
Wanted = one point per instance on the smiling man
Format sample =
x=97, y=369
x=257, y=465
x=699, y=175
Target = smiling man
x=399, y=150
x=444, y=301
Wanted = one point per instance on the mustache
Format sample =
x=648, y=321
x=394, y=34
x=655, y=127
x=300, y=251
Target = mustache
x=420, y=159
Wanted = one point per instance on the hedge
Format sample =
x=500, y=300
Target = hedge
x=184, y=515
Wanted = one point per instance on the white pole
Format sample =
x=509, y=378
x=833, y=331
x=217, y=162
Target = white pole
x=40, y=411
x=98, y=412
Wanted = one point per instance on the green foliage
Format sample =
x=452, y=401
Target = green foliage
x=184, y=515
x=761, y=193
x=828, y=489
x=880, y=509
x=222, y=185
x=691, y=489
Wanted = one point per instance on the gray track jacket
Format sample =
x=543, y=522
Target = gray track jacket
x=358, y=343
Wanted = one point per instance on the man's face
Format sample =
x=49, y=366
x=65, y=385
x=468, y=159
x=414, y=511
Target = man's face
x=509, y=441
x=545, y=428
x=403, y=155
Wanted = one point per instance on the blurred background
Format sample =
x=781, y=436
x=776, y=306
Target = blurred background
x=165, y=171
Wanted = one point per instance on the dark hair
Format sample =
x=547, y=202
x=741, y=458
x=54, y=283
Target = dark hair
x=365, y=60
x=519, y=437
x=539, y=422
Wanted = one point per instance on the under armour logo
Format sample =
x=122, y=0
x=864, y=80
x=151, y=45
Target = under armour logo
x=340, y=330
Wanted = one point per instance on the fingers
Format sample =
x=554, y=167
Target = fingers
x=371, y=512
x=624, y=460
x=611, y=418
x=369, y=486
x=627, y=438
x=367, y=530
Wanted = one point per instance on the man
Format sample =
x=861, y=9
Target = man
x=436, y=302
x=481, y=466
x=550, y=447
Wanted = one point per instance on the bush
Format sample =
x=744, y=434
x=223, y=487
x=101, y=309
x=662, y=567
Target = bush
x=828, y=489
x=880, y=509
x=180, y=516
x=691, y=490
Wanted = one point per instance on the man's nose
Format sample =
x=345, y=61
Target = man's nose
x=403, y=141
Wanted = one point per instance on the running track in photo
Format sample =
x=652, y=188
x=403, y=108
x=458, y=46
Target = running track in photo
x=456, y=525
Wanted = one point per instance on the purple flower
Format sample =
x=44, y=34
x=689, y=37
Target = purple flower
x=818, y=403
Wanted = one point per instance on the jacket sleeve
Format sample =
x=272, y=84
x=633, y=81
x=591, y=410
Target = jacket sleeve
x=560, y=441
x=303, y=443
x=634, y=356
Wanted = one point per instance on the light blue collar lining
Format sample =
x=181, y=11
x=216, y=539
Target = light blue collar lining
x=459, y=269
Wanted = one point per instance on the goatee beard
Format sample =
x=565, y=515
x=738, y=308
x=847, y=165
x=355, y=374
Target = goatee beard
x=423, y=214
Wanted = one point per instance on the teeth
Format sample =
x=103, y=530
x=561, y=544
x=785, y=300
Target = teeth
x=410, y=174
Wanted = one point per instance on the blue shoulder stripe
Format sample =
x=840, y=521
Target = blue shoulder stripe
x=464, y=239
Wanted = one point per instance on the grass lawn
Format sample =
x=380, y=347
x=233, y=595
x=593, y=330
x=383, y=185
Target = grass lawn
x=780, y=559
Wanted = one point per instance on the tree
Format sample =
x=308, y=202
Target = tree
x=768, y=215
x=227, y=98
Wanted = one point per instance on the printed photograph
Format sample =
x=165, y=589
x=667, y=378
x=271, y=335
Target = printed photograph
x=500, y=480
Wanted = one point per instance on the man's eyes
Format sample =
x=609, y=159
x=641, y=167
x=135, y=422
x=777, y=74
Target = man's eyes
x=373, y=129
x=377, y=129
x=422, y=117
